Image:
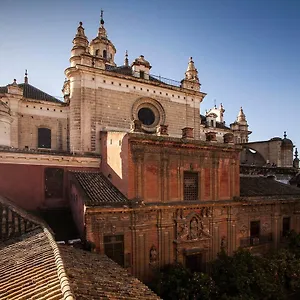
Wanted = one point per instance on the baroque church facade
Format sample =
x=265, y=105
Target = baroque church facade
x=149, y=179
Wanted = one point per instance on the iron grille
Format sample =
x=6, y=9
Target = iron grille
x=190, y=186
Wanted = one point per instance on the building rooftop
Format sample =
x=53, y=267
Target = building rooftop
x=95, y=276
x=31, y=92
x=98, y=189
x=33, y=266
x=263, y=186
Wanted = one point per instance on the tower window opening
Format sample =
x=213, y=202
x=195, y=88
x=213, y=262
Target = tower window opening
x=97, y=52
x=105, y=54
x=212, y=123
x=142, y=74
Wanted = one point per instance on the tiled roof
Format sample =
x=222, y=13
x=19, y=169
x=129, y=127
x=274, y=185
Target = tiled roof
x=98, y=189
x=31, y=92
x=28, y=269
x=125, y=70
x=95, y=276
x=32, y=266
x=30, y=263
x=263, y=186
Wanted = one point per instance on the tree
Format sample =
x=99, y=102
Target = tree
x=177, y=282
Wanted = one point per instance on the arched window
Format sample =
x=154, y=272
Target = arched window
x=97, y=52
x=104, y=54
x=44, y=138
x=212, y=123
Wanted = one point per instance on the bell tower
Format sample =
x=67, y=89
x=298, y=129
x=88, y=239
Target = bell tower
x=102, y=47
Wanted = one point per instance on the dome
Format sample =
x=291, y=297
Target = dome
x=287, y=143
x=142, y=61
x=275, y=139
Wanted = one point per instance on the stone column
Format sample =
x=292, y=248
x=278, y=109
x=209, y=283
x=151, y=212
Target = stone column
x=275, y=230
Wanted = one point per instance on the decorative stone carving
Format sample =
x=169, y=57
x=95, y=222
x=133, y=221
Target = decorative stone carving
x=182, y=231
x=153, y=256
x=223, y=242
x=266, y=227
x=196, y=229
x=244, y=230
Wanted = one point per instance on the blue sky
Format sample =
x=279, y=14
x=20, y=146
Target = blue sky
x=246, y=51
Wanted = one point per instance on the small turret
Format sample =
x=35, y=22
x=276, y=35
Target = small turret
x=102, y=47
x=141, y=67
x=191, y=80
x=240, y=128
x=241, y=118
x=80, y=45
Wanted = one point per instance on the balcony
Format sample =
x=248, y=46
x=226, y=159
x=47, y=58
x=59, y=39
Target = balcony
x=255, y=241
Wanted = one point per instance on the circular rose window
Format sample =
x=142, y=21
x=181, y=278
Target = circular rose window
x=149, y=112
x=146, y=116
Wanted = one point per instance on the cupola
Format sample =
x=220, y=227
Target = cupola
x=102, y=47
x=141, y=67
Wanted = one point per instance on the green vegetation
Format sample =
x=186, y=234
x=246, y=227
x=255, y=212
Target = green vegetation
x=242, y=276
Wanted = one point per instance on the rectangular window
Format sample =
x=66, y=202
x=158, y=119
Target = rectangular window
x=114, y=248
x=255, y=229
x=190, y=186
x=142, y=74
x=286, y=226
x=254, y=232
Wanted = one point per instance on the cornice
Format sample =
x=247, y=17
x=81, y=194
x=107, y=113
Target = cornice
x=49, y=160
x=94, y=70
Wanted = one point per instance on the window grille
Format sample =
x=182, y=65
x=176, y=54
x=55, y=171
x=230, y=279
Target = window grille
x=190, y=186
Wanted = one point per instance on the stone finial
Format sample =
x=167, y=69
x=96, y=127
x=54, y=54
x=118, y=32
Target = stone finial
x=284, y=134
x=15, y=82
x=26, y=77
x=80, y=31
x=296, y=153
x=102, y=30
x=101, y=18
x=126, y=64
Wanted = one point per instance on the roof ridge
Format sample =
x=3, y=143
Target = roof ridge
x=61, y=273
x=24, y=214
